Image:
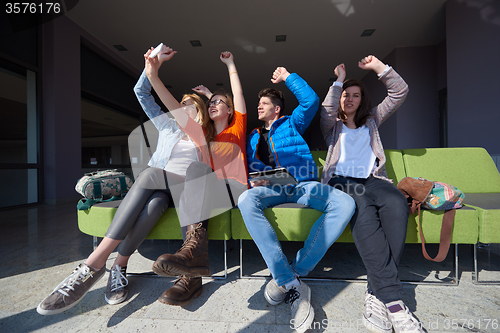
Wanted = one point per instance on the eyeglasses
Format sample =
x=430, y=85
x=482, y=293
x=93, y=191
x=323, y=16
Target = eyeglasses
x=216, y=102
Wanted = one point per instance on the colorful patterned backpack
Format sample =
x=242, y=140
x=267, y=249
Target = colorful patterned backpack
x=444, y=197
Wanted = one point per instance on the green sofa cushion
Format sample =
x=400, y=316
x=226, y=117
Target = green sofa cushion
x=96, y=220
x=472, y=170
x=394, y=165
x=488, y=207
x=319, y=157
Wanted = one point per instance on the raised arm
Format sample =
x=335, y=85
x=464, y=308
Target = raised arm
x=341, y=73
x=152, y=65
x=280, y=74
x=234, y=79
x=330, y=106
x=308, y=100
x=372, y=63
x=142, y=90
x=397, y=89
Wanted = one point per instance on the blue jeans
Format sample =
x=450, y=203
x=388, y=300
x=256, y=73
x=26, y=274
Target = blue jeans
x=337, y=208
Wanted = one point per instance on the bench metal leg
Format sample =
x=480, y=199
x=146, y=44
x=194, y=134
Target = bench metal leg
x=475, y=274
x=454, y=279
x=217, y=277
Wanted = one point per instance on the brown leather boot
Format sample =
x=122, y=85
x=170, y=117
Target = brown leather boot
x=183, y=291
x=190, y=260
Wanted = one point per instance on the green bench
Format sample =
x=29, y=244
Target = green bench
x=470, y=169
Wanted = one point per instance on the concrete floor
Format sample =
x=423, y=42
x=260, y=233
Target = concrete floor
x=41, y=245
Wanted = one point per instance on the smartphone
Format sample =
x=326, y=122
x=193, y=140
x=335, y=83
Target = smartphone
x=156, y=51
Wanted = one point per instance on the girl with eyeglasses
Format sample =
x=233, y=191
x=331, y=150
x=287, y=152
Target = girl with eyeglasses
x=214, y=183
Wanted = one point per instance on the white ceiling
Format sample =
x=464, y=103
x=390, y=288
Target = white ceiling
x=320, y=35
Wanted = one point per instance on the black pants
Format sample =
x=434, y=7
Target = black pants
x=379, y=231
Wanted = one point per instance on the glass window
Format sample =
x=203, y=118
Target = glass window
x=19, y=139
x=105, y=132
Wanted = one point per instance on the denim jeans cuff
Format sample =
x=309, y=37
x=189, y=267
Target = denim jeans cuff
x=295, y=273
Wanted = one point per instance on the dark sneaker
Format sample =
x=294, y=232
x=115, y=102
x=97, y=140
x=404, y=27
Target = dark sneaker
x=273, y=293
x=117, y=288
x=71, y=291
x=299, y=298
x=375, y=316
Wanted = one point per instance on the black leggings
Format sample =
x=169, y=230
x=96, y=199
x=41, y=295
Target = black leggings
x=143, y=206
x=379, y=231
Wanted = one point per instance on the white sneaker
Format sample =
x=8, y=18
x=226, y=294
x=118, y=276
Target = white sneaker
x=402, y=319
x=375, y=316
x=116, y=289
x=299, y=298
x=273, y=293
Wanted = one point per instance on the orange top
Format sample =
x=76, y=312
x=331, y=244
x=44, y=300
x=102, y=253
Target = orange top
x=227, y=154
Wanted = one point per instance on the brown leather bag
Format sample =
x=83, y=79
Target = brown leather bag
x=416, y=191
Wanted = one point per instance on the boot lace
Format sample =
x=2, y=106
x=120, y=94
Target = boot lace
x=191, y=241
x=182, y=280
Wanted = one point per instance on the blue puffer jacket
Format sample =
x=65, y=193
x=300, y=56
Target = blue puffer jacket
x=285, y=136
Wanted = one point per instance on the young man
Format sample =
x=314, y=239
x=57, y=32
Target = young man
x=279, y=143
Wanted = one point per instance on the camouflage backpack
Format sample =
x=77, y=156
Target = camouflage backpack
x=105, y=185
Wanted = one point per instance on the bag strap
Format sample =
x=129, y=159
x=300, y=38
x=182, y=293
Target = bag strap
x=85, y=204
x=228, y=187
x=123, y=184
x=445, y=238
x=97, y=189
x=414, y=206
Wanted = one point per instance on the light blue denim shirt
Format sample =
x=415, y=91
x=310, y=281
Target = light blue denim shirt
x=169, y=131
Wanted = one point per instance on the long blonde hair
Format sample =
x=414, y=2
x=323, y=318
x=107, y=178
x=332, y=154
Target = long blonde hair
x=201, y=108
